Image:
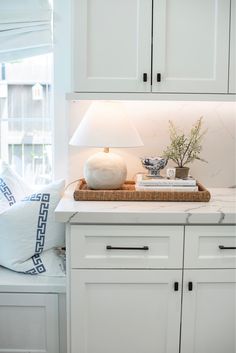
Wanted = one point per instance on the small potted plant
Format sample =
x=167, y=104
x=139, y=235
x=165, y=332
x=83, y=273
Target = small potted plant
x=184, y=149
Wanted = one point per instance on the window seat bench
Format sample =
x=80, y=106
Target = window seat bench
x=32, y=313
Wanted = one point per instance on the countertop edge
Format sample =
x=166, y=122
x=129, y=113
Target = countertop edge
x=221, y=209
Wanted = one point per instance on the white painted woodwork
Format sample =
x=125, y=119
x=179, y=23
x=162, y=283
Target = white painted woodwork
x=88, y=246
x=232, y=64
x=202, y=246
x=152, y=96
x=125, y=302
x=112, y=45
x=69, y=291
x=29, y=323
x=191, y=45
x=209, y=312
x=62, y=317
x=19, y=283
x=128, y=311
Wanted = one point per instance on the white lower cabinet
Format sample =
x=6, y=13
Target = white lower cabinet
x=125, y=311
x=134, y=290
x=29, y=323
x=209, y=311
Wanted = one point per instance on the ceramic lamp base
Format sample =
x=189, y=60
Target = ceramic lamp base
x=105, y=171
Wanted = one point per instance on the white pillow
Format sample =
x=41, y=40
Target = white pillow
x=28, y=228
x=48, y=263
x=12, y=187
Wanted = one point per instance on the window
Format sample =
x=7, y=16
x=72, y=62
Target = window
x=26, y=117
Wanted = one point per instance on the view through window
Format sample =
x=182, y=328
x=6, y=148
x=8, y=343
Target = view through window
x=26, y=117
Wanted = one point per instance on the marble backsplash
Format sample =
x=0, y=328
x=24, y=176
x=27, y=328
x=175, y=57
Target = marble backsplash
x=151, y=120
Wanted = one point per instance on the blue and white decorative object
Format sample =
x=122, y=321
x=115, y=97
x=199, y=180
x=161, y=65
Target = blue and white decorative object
x=154, y=165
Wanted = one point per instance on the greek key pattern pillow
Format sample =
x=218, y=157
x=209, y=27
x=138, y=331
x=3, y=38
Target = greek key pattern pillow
x=12, y=187
x=44, y=200
x=29, y=231
x=6, y=192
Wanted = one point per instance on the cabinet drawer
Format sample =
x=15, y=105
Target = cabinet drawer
x=126, y=246
x=210, y=247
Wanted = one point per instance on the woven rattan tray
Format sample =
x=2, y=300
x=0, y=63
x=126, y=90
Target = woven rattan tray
x=128, y=193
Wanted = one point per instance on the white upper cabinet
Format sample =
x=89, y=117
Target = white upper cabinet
x=232, y=65
x=159, y=46
x=112, y=45
x=190, y=46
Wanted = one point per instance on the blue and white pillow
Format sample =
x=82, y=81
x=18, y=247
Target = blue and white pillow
x=12, y=187
x=28, y=231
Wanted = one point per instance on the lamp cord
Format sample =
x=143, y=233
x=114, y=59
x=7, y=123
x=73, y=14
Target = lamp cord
x=66, y=187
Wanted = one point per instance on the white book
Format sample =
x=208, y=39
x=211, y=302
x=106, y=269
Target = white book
x=143, y=180
x=167, y=188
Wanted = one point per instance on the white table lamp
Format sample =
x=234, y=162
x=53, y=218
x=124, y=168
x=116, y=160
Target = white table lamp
x=105, y=125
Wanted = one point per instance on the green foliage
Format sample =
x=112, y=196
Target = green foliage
x=184, y=149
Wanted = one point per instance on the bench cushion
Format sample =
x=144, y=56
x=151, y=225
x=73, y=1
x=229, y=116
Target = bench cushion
x=14, y=282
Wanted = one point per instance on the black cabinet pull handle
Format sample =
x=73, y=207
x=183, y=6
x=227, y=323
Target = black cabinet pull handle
x=222, y=247
x=190, y=286
x=109, y=247
x=145, y=77
x=158, y=77
x=176, y=286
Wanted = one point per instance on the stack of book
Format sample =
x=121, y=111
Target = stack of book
x=145, y=183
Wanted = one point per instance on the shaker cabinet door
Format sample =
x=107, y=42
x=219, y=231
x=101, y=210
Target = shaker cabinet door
x=128, y=311
x=112, y=45
x=191, y=46
x=209, y=311
x=29, y=323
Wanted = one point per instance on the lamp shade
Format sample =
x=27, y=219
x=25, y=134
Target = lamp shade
x=105, y=124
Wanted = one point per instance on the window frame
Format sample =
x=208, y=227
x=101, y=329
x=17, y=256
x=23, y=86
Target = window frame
x=62, y=33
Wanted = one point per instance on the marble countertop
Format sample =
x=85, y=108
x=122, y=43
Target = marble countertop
x=220, y=210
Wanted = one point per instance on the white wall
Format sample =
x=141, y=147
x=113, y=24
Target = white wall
x=151, y=120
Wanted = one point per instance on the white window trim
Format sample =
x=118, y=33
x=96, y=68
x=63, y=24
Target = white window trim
x=62, y=85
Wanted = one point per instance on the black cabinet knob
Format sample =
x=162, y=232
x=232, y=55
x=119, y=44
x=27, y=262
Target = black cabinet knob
x=158, y=77
x=145, y=77
x=176, y=286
